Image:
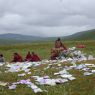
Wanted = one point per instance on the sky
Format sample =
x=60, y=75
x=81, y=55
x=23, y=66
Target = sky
x=46, y=17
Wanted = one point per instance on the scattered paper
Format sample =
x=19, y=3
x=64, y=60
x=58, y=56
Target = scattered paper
x=3, y=83
x=20, y=75
x=87, y=73
x=12, y=87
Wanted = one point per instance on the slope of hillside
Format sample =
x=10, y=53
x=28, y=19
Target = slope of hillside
x=85, y=35
x=19, y=37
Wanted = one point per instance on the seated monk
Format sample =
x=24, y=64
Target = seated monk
x=54, y=55
x=17, y=58
x=59, y=46
x=35, y=57
x=2, y=59
x=28, y=57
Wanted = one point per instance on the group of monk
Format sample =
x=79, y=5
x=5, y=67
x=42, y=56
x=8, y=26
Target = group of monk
x=32, y=57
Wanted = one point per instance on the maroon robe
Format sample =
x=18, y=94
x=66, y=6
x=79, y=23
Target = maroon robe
x=28, y=57
x=17, y=58
x=35, y=58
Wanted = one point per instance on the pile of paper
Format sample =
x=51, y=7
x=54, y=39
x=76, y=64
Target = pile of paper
x=47, y=81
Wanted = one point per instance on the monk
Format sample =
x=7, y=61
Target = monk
x=28, y=57
x=54, y=55
x=35, y=57
x=17, y=58
x=2, y=59
x=59, y=47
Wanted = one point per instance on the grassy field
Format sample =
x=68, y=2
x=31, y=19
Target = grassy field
x=43, y=49
x=81, y=86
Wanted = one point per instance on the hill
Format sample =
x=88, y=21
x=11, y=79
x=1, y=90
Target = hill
x=84, y=35
x=20, y=37
x=10, y=38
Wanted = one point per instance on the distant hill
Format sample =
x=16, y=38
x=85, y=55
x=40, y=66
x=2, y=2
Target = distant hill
x=10, y=38
x=85, y=35
x=18, y=38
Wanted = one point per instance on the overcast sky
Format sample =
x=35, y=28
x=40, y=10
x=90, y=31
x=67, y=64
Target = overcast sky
x=46, y=17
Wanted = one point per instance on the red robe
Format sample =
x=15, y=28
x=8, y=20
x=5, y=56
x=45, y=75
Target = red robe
x=54, y=54
x=17, y=58
x=81, y=46
x=59, y=44
x=28, y=57
x=35, y=58
x=53, y=57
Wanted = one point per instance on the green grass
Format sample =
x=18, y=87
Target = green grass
x=81, y=86
x=43, y=49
